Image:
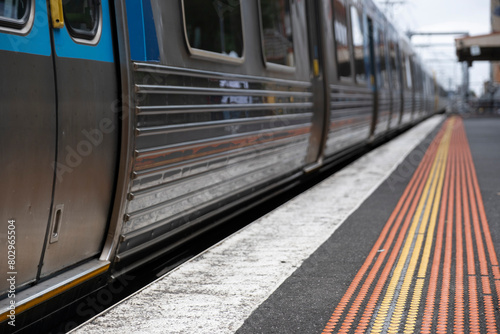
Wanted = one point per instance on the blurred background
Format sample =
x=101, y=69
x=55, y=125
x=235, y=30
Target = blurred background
x=437, y=29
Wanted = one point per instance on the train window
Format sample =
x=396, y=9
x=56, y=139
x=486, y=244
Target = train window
x=277, y=35
x=407, y=65
x=403, y=69
x=341, y=40
x=214, y=29
x=420, y=79
x=393, y=51
x=82, y=18
x=358, y=45
x=382, y=60
x=417, y=77
x=14, y=13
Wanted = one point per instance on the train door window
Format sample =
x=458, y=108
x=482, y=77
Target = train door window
x=422, y=79
x=382, y=58
x=82, y=18
x=406, y=69
x=358, y=45
x=214, y=29
x=408, y=75
x=403, y=68
x=418, y=77
x=14, y=13
x=277, y=34
x=341, y=40
x=393, y=51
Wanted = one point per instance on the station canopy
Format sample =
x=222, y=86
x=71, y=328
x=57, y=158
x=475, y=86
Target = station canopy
x=482, y=47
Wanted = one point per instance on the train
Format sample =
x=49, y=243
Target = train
x=130, y=127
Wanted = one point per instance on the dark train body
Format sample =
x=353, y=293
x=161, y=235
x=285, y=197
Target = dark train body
x=134, y=125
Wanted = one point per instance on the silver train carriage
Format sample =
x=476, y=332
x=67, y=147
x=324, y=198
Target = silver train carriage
x=128, y=127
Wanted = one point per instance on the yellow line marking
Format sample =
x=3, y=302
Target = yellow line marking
x=430, y=188
x=417, y=293
x=55, y=292
x=385, y=305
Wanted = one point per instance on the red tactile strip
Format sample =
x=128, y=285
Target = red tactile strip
x=420, y=173
x=444, y=217
x=462, y=249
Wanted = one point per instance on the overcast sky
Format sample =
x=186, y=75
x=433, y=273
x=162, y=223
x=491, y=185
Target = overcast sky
x=471, y=16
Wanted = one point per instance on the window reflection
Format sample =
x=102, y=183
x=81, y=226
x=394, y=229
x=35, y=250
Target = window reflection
x=214, y=26
x=382, y=60
x=16, y=10
x=358, y=45
x=81, y=17
x=235, y=99
x=277, y=32
x=393, y=61
x=407, y=71
x=342, y=44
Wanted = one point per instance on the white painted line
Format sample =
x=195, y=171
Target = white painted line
x=217, y=291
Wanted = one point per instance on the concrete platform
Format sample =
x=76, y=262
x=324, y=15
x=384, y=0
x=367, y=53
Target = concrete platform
x=286, y=272
x=443, y=277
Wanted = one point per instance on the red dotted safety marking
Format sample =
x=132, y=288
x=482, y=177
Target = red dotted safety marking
x=460, y=291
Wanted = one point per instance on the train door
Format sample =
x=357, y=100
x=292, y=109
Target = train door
x=27, y=137
x=395, y=81
x=383, y=92
x=350, y=94
x=58, y=138
x=407, y=88
x=417, y=90
x=87, y=132
x=319, y=85
x=372, y=73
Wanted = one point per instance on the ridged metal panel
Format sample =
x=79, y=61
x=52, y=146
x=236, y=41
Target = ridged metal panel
x=351, y=115
x=203, y=137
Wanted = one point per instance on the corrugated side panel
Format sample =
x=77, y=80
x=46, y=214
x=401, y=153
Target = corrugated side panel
x=205, y=137
x=351, y=114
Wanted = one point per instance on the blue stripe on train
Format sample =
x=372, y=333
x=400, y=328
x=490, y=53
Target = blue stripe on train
x=37, y=41
x=142, y=31
x=66, y=47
